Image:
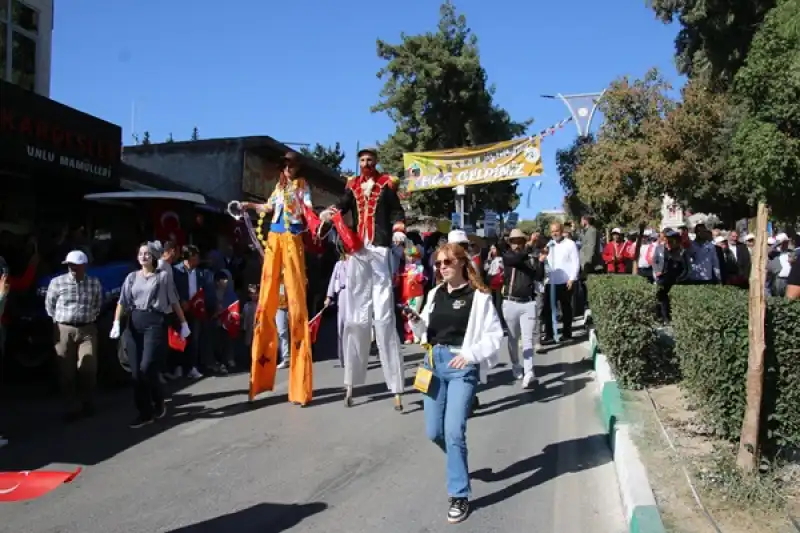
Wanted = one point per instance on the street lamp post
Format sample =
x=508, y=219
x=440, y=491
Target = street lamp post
x=582, y=108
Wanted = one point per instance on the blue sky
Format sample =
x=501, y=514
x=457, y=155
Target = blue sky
x=304, y=71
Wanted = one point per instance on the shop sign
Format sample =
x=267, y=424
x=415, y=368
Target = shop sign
x=38, y=134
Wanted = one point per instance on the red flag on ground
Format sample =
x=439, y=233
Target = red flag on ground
x=176, y=342
x=19, y=486
x=231, y=319
x=197, y=304
x=313, y=326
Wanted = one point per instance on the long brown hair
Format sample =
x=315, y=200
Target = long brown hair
x=457, y=252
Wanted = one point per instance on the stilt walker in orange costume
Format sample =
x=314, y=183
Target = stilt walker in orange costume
x=290, y=210
x=372, y=200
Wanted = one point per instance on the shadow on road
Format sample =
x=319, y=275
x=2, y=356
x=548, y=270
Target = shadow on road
x=567, y=381
x=564, y=457
x=271, y=517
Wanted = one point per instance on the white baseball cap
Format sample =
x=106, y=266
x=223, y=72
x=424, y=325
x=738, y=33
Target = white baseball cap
x=457, y=236
x=719, y=239
x=616, y=230
x=749, y=237
x=781, y=237
x=771, y=241
x=76, y=257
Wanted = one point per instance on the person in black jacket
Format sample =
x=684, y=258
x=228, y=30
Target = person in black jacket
x=522, y=272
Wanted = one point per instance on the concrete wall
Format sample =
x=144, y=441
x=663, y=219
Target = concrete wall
x=216, y=173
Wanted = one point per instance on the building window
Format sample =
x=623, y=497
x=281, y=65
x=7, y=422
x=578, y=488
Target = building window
x=23, y=61
x=19, y=27
x=24, y=17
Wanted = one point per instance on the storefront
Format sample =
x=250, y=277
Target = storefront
x=51, y=156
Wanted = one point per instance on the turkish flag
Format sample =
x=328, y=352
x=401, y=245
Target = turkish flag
x=19, y=486
x=231, y=320
x=313, y=326
x=176, y=342
x=197, y=305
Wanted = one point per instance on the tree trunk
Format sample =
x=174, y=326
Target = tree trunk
x=749, y=446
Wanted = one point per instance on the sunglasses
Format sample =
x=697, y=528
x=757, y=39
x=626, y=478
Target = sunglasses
x=443, y=263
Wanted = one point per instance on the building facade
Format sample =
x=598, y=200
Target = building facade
x=26, y=43
x=239, y=168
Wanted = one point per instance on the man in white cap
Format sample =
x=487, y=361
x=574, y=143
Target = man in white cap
x=371, y=198
x=73, y=301
x=780, y=264
x=741, y=253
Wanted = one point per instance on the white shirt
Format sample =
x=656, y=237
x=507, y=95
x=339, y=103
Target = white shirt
x=786, y=267
x=192, y=283
x=564, y=262
x=643, y=251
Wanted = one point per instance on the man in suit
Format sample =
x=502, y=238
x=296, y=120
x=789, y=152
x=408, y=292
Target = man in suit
x=590, y=255
x=189, y=280
x=743, y=260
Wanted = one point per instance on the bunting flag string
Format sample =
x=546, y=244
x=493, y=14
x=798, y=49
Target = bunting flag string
x=555, y=127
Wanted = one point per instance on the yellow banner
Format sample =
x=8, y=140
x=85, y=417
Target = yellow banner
x=475, y=165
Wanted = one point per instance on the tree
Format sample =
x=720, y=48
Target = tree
x=195, y=134
x=329, y=156
x=146, y=138
x=692, y=146
x=618, y=174
x=170, y=139
x=715, y=35
x=765, y=156
x=437, y=94
x=765, y=149
x=567, y=161
x=540, y=223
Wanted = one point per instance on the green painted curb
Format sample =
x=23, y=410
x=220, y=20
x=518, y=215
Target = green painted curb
x=646, y=519
x=612, y=411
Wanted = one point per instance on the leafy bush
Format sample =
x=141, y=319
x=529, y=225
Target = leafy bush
x=783, y=353
x=710, y=328
x=623, y=310
x=711, y=340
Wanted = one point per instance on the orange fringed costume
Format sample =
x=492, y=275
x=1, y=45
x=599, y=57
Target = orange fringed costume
x=292, y=218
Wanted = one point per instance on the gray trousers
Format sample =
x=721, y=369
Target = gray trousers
x=523, y=323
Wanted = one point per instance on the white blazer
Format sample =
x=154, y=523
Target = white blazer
x=484, y=336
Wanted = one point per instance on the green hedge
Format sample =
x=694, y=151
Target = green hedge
x=711, y=337
x=623, y=311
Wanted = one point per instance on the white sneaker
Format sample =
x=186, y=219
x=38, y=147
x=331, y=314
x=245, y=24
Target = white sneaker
x=528, y=381
x=194, y=374
x=284, y=364
x=516, y=370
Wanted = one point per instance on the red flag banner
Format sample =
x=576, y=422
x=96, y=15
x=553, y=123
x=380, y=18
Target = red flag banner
x=313, y=326
x=197, y=304
x=231, y=319
x=20, y=486
x=176, y=342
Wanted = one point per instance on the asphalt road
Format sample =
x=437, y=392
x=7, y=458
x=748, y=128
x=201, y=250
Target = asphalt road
x=539, y=462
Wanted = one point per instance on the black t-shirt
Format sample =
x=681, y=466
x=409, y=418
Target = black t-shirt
x=447, y=323
x=794, y=274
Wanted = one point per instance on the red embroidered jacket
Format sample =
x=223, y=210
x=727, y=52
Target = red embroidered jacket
x=375, y=209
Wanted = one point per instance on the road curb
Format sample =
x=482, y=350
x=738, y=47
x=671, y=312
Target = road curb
x=641, y=511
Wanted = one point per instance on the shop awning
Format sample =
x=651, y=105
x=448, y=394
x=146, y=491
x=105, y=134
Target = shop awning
x=190, y=197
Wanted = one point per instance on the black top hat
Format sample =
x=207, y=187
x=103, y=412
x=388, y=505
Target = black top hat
x=368, y=150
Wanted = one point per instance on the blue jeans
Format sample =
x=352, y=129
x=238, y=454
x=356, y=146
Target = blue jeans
x=447, y=407
x=282, y=324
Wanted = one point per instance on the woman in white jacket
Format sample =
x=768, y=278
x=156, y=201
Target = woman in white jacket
x=462, y=327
